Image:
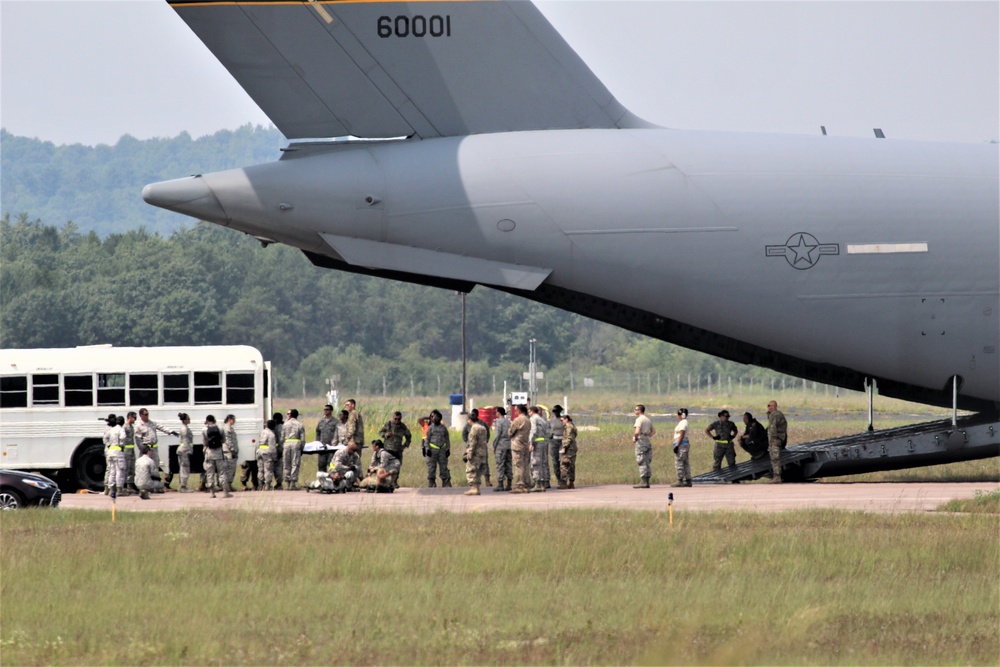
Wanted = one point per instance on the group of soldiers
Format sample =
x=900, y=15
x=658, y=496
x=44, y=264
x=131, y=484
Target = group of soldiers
x=756, y=440
x=521, y=450
x=125, y=473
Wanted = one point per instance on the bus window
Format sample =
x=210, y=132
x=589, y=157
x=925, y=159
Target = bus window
x=14, y=391
x=176, y=388
x=111, y=389
x=143, y=389
x=45, y=389
x=78, y=390
x=207, y=387
x=239, y=388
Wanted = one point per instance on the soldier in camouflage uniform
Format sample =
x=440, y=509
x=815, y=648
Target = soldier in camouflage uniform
x=293, y=435
x=147, y=474
x=777, y=438
x=384, y=467
x=184, y=451
x=355, y=423
x=520, y=448
x=130, y=453
x=465, y=443
x=326, y=433
x=215, y=461
x=396, y=436
x=342, y=438
x=145, y=434
x=265, y=456
x=567, y=454
x=723, y=432
x=642, y=431
x=345, y=471
x=501, y=451
x=555, y=441
x=476, y=453
x=109, y=425
x=230, y=449
x=438, y=450
x=114, y=456
x=279, y=423
x=539, y=437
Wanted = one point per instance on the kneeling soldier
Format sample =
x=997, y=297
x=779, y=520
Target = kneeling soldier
x=382, y=471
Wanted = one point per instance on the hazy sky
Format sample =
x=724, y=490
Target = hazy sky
x=84, y=71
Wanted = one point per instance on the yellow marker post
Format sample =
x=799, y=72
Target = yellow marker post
x=114, y=505
x=670, y=507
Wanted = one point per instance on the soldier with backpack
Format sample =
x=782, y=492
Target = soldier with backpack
x=215, y=461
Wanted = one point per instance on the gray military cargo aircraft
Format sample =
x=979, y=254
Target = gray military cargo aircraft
x=476, y=147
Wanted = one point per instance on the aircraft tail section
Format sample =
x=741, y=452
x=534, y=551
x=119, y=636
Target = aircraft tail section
x=327, y=68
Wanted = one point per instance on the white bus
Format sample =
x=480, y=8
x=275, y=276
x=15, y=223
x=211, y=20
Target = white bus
x=53, y=402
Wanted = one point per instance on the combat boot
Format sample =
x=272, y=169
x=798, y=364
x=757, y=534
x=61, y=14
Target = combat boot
x=499, y=487
x=431, y=484
x=538, y=488
x=643, y=485
x=519, y=489
x=570, y=485
x=474, y=491
x=488, y=482
x=446, y=485
x=144, y=495
x=562, y=486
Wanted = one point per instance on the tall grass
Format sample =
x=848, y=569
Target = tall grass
x=572, y=587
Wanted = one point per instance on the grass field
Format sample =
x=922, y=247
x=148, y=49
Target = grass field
x=573, y=587
x=509, y=587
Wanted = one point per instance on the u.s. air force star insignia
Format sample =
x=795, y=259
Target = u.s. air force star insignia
x=802, y=250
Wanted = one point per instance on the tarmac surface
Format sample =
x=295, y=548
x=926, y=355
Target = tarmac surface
x=758, y=497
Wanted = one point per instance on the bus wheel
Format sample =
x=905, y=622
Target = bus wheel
x=90, y=466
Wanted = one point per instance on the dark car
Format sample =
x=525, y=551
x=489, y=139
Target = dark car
x=24, y=489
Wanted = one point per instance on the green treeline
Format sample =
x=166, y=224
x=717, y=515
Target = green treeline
x=210, y=285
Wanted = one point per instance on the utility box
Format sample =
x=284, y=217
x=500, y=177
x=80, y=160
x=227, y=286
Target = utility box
x=457, y=420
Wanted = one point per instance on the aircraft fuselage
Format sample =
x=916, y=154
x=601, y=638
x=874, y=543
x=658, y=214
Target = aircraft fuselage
x=876, y=256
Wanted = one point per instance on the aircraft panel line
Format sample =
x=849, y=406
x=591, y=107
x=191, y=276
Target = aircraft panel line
x=659, y=230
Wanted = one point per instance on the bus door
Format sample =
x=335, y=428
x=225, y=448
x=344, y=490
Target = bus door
x=267, y=392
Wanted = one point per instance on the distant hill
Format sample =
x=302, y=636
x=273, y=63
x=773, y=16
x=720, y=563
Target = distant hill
x=99, y=187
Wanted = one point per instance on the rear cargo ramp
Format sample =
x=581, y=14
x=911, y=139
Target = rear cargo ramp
x=915, y=445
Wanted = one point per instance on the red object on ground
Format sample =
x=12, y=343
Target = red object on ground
x=488, y=415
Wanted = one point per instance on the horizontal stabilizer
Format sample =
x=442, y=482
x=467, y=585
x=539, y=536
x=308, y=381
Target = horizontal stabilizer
x=390, y=256
x=332, y=68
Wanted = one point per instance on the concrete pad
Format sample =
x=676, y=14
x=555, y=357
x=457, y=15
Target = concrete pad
x=882, y=497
